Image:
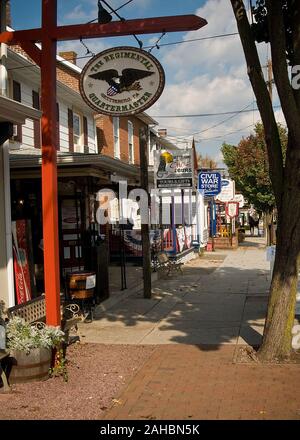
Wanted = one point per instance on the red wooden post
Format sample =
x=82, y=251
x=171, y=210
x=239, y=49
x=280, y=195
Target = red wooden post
x=49, y=164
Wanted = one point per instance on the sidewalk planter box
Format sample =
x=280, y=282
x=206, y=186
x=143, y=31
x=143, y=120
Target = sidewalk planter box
x=226, y=242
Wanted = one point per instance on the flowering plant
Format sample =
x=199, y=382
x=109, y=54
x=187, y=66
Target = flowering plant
x=23, y=336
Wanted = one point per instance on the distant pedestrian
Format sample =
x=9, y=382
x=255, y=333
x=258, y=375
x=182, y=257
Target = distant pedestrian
x=253, y=219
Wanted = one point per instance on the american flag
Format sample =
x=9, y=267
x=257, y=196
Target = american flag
x=112, y=91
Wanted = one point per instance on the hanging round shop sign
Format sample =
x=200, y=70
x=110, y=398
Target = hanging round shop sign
x=122, y=81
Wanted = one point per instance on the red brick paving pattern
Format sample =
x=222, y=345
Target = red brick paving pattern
x=188, y=382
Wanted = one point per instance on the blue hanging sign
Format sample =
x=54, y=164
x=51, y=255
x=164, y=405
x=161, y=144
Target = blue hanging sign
x=209, y=183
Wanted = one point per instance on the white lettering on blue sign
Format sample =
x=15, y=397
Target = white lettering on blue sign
x=210, y=183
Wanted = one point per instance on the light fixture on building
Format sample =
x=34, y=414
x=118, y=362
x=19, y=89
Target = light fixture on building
x=103, y=16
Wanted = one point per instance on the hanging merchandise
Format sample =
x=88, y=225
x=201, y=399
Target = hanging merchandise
x=188, y=236
x=180, y=239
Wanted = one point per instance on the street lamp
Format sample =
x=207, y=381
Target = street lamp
x=104, y=17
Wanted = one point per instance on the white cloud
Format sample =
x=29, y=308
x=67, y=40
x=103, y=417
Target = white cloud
x=203, y=94
x=207, y=77
x=213, y=53
x=81, y=14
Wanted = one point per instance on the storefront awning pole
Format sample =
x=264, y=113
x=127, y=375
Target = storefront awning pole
x=49, y=164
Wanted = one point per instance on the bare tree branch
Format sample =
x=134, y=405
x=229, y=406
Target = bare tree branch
x=263, y=99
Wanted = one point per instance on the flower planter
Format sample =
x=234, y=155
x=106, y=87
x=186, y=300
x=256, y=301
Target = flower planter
x=30, y=367
x=226, y=242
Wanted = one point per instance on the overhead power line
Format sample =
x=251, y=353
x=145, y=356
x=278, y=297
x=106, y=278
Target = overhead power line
x=146, y=47
x=219, y=123
x=225, y=134
x=204, y=115
x=196, y=39
x=221, y=136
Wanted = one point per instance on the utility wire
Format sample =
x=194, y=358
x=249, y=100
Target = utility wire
x=225, y=134
x=146, y=47
x=196, y=39
x=114, y=11
x=122, y=6
x=221, y=122
x=222, y=136
x=204, y=115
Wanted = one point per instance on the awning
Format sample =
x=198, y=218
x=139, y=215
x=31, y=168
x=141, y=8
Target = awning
x=15, y=112
x=27, y=163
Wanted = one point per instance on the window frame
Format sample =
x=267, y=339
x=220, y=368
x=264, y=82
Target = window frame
x=130, y=143
x=15, y=85
x=116, y=137
x=78, y=146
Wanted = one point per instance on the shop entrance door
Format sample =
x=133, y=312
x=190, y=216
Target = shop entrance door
x=71, y=233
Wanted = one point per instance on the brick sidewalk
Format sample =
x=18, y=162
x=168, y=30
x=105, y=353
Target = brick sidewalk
x=188, y=382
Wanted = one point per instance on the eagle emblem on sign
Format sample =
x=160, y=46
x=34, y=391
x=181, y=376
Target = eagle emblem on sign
x=127, y=81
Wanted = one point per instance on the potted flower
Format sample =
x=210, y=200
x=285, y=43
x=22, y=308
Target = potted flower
x=31, y=349
x=2, y=326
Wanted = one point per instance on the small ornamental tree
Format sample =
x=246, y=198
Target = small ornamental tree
x=278, y=22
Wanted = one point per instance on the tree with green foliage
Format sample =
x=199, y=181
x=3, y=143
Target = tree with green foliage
x=248, y=166
x=278, y=22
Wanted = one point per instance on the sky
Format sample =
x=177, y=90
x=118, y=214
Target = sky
x=206, y=76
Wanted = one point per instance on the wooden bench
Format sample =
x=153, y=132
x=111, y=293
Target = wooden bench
x=166, y=265
x=34, y=311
